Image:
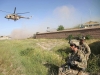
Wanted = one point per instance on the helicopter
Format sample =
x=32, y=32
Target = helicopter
x=14, y=16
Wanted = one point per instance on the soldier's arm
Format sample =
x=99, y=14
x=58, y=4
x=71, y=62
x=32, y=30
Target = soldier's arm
x=83, y=63
x=88, y=49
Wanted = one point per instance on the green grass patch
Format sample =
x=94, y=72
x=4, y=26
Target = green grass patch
x=26, y=57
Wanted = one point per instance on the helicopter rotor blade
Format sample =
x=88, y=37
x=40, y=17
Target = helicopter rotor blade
x=23, y=13
x=14, y=10
x=5, y=11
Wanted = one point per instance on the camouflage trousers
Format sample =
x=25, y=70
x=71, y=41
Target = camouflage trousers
x=66, y=71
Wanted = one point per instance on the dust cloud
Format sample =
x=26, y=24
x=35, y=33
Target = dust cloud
x=21, y=33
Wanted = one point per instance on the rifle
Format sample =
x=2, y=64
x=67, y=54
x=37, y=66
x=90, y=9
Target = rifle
x=71, y=61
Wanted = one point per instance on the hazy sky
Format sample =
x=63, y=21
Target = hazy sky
x=46, y=13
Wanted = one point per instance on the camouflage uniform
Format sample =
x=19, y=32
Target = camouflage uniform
x=85, y=49
x=75, y=62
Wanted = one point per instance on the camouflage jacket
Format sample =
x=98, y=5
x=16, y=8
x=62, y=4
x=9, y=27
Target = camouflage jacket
x=85, y=49
x=79, y=59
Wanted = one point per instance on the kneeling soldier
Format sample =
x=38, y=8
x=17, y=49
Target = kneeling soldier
x=84, y=47
x=76, y=62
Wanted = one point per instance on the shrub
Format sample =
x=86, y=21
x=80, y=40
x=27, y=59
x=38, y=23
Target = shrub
x=88, y=37
x=61, y=27
x=70, y=37
x=94, y=64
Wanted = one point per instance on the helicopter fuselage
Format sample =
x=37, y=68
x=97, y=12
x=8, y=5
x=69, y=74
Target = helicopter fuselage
x=12, y=16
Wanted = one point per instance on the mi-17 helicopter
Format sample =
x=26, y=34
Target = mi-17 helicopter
x=14, y=16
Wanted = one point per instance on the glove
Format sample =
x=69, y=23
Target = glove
x=72, y=63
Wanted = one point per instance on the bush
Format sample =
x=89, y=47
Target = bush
x=94, y=64
x=70, y=37
x=88, y=37
x=61, y=27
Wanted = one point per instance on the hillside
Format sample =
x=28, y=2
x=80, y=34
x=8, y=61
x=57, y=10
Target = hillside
x=40, y=56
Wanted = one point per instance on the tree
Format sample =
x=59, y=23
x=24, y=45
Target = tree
x=61, y=27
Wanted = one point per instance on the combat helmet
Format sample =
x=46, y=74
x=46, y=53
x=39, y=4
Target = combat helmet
x=74, y=42
x=82, y=38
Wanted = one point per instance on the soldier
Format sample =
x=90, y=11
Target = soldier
x=76, y=61
x=84, y=47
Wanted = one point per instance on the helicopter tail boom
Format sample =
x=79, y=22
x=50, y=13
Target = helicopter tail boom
x=26, y=17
